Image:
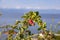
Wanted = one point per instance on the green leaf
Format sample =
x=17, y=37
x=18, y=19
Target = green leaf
x=25, y=27
x=33, y=16
x=39, y=16
x=31, y=12
x=23, y=17
x=37, y=13
x=39, y=28
x=22, y=30
x=44, y=25
x=39, y=21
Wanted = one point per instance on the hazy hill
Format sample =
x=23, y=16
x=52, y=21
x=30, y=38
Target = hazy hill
x=49, y=11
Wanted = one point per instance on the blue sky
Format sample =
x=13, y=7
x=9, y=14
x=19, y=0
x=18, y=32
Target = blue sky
x=30, y=4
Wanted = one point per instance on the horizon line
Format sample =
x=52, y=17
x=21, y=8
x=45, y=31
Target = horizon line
x=30, y=8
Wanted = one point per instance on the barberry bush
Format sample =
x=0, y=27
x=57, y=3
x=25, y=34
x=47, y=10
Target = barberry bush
x=31, y=18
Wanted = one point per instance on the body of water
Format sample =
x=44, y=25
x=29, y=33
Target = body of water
x=10, y=16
